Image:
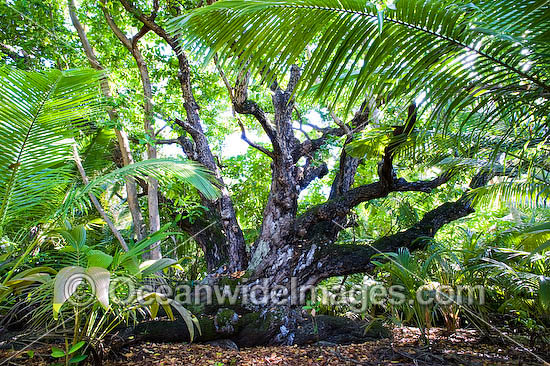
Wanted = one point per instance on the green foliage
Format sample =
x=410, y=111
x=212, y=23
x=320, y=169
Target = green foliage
x=39, y=115
x=181, y=171
x=249, y=176
x=69, y=354
x=350, y=48
x=481, y=68
x=33, y=35
x=89, y=297
x=544, y=293
x=405, y=270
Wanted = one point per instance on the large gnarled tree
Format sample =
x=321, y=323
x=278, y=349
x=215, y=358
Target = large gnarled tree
x=364, y=60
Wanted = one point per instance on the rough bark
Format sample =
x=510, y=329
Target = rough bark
x=277, y=228
x=339, y=260
x=348, y=164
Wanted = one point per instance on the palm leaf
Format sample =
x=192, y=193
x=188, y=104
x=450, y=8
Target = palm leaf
x=345, y=34
x=38, y=116
x=486, y=59
x=161, y=169
x=520, y=193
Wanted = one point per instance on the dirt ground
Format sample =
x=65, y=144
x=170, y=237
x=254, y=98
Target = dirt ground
x=464, y=347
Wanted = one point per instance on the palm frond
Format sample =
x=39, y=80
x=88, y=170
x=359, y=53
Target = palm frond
x=38, y=116
x=484, y=59
x=438, y=35
x=167, y=169
x=96, y=149
x=519, y=193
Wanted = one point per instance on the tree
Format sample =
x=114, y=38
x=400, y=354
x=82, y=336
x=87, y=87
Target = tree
x=484, y=60
x=280, y=31
x=274, y=34
x=366, y=69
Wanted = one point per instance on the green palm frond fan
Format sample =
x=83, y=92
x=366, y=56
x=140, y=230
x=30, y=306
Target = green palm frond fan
x=39, y=117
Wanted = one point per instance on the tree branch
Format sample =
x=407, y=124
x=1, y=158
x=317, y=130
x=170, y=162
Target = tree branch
x=152, y=194
x=234, y=244
x=309, y=173
x=241, y=103
x=256, y=146
x=357, y=124
x=400, y=134
x=426, y=186
x=295, y=73
x=339, y=260
x=345, y=177
x=122, y=137
x=149, y=21
x=11, y=53
x=167, y=142
x=116, y=30
x=340, y=206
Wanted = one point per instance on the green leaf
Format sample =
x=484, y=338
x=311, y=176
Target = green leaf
x=168, y=310
x=28, y=280
x=130, y=264
x=544, y=292
x=190, y=320
x=76, y=347
x=57, y=352
x=38, y=116
x=78, y=359
x=168, y=169
x=98, y=258
x=154, y=309
x=34, y=270
x=76, y=236
x=149, y=267
x=540, y=249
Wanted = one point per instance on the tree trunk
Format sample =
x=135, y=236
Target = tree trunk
x=297, y=250
x=155, y=251
x=122, y=138
x=198, y=149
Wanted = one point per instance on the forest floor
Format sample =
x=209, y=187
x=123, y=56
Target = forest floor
x=464, y=347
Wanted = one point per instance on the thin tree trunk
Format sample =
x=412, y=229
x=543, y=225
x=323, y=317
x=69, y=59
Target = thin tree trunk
x=96, y=203
x=122, y=137
x=234, y=244
x=152, y=191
